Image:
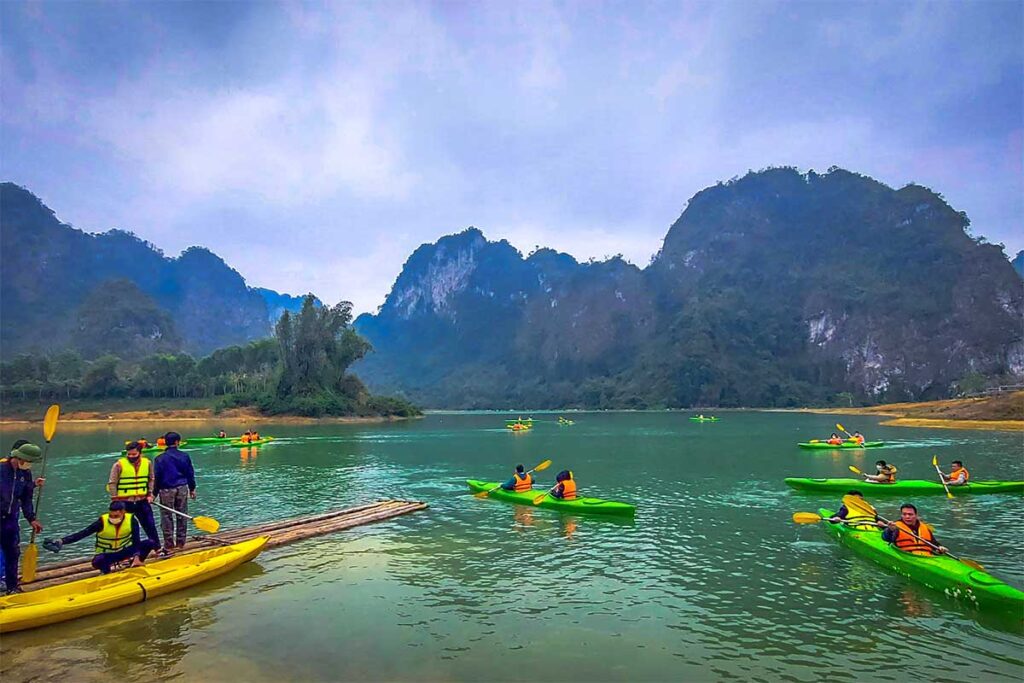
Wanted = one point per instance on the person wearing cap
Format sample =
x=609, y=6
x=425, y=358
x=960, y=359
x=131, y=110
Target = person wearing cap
x=16, y=486
x=131, y=482
x=117, y=539
x=521, y=480
x=175, y=484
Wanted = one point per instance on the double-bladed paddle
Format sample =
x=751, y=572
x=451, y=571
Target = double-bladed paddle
x=935, y=464
x=543, y=466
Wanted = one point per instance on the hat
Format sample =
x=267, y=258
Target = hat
x=29, y=452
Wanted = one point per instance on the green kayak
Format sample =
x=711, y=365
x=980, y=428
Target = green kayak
x=208, y=440
x=704, y=419
x=940, y=572
x=257, y=442
x=593, y=506
x=149, y=449
x=904, y=487
x=846, y=444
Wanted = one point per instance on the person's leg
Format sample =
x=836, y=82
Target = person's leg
x=145, y=513
x=147, y=546
x=167, y=518
x=181, y=504
x=10, y=539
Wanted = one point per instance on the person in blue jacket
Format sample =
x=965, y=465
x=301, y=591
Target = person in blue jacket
x=175, y=484
x=16, y=487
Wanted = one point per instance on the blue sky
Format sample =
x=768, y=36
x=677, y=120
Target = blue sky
x=315, y=145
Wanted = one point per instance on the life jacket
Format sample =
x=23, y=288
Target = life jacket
x=858, y=519
x=859, y=439
x=133, y=482
x=835, y=442
x=142, y=443
x=113, y=537
x=889, y=473
x=955, y=474
x=569, y=489
x=523, y=483
x=222, y=435
x=161, y=442
x=245, y=438
x=906, y=542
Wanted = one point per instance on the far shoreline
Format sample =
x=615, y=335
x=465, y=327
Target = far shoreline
x=234, y=415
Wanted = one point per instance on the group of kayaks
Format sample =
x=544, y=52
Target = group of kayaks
x=205, y=441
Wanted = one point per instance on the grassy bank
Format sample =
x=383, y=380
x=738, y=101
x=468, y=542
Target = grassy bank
x=1000, y=412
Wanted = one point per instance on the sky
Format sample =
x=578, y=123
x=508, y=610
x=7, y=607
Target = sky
x=314, y=146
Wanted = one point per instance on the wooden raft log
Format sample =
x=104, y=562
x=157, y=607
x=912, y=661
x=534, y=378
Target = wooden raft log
x=280, y=532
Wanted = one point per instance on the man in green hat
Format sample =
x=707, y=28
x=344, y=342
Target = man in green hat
x=16, y=486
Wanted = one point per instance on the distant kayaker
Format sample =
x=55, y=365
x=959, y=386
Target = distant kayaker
x=131, y=482
x=566, y=488
x=117, y=539
x=175, y=484
x=886, y=473
x=16, y=487
x=902, y=534
x=834, y=440
x=958, y=475
x=521, y=480
x=222, y=434
x=857, y=438
x=853, y=518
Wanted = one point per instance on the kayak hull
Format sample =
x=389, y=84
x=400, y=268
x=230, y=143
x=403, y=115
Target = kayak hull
x=590, y=506
x=821, y=445
x=904, y=487
x=106, y=592
x=244, y=444
x=704, y=419
x=941, y=572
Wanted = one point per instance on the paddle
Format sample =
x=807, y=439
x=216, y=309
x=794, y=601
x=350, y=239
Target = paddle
x=538, y=499
x=867, y=508
x=854, y=469
x=935, y=464
x=813, y=518
x=207, y=524
x=543, y=466
x=31, y=559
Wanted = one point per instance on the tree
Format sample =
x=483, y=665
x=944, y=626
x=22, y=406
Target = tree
x=101, y=378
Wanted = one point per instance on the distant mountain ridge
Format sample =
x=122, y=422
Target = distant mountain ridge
x=51, y=269
x=779, y=288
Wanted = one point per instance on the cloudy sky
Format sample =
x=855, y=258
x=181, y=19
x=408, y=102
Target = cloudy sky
x=315, y=145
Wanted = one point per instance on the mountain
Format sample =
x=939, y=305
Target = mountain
x=1018, y=263
x=56, y=278
x=278, y=303
x=779, y=288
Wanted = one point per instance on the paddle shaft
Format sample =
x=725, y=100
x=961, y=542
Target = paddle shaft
x=177, y=512
x=941, y=478
x=39, y=493
x=883, y=520
x=528, y=472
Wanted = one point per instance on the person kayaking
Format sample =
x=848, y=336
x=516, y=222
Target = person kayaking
x=16, y=487
x=566, y=488
x=117, y=539
x=901, y=534
x=857, y=438
x=175, y=484
x=855, y=519
x=834, y=440
x=222, y=434
x=886, y=474
x=131, y=482
x=958, y=474
x=521, y=480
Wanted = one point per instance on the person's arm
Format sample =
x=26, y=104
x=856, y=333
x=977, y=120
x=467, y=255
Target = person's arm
x=158, y=477
x=840, y=513
x=889, y=535
x=90, y=530
x=960, y=479
x=27, y=508
x=151, y=487
x=190, y=474
x=510, y=484
x=115, y=475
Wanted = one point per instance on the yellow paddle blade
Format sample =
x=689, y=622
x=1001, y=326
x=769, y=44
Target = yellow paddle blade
x=538, y=499
x=29, y=561
x=855, y=470
x=935, y=461
x=543, y=466
x=807, y=517
x=972, y=564
x=207, y=524
x=855, y=503
x=50, y=421
x=840, y=427
x=484, y=494
x=814, y=441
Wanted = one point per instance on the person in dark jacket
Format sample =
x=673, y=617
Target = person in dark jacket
x=117, y=539
x=175, y=484
x=16, y=486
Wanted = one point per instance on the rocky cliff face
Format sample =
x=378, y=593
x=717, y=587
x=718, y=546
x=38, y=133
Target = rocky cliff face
x=776, y=289
x=50, y=269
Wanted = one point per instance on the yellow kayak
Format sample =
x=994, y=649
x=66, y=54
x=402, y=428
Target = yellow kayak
x=107, y=592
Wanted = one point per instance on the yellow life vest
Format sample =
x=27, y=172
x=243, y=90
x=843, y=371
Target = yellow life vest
x=113, y=537
x=133, y=482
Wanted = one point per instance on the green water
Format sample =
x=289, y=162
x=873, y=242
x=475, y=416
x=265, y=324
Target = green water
x=711, y=581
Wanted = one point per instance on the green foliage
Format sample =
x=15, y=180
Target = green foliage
x=972, y=383
x=118, y=318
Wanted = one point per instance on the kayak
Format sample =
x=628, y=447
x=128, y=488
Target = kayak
x=704, y=419
x=939, y=572
x=106, y=592
x=587, y=505
x=205, y=440
x=258, y=442
x=845, y=444
x=519, y=427
x=906, y=486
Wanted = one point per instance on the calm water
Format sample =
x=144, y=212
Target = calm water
x=711, y=581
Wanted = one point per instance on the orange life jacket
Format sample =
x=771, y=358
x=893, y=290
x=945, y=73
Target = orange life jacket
x=835, y=442
x=143, y=443
x=955, y=474
x=906, y=542
x=161, y=441
x=523, y=483
x=569, y=490
x=888, y=475
x=245, y=438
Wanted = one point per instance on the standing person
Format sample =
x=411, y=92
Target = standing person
x=117, y=539
x=131, y=482
x=958, y=475
x=16, y=486
x=175, y=484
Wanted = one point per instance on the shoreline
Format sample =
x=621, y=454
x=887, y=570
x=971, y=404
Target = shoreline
x=247, y=415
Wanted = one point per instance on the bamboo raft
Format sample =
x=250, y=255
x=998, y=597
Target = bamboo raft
x=280, y=532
